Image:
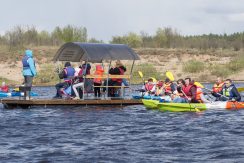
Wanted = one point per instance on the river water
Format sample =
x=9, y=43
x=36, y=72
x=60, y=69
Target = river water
x=119, y=134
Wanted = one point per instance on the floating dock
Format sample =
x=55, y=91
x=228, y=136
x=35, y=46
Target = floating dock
x=13, y=103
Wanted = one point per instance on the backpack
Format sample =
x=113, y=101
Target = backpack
x=62, y=74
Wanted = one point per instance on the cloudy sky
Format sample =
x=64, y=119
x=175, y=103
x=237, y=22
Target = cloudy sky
x=106, y=18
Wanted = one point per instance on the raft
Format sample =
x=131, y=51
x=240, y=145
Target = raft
x=191, y=107
x=15, y=94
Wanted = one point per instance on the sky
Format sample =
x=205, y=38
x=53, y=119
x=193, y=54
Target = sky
x=106, y=18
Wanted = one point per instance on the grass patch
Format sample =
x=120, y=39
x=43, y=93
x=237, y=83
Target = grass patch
x=148, y=71
x=193, y=66
x=220, y=70
x=47, y=75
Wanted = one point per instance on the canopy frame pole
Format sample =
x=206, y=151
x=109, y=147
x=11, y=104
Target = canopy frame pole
x=84, y=80
x=133, y=63
x=108, y=77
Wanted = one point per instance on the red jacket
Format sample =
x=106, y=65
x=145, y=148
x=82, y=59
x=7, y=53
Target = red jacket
x=4, y=88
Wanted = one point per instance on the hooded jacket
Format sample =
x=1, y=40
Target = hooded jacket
x=29, y=68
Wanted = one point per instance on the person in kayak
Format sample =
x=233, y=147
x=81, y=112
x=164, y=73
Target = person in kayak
x=178, y=96
x=229, y=92
x=190, y=91
x=160, y=91
x=4, y=88
x=169, y=87
x=218, y=86
x=149, y=87
x=67, y=74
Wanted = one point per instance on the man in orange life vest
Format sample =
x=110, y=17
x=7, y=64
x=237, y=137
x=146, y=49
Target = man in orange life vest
x=218, y=86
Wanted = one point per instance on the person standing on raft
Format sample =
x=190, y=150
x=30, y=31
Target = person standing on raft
x=29, y=70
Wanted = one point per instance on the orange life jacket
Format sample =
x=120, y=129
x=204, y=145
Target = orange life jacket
x=99, y=71
x=218, y=88
x=167, y=87
x=199, y=93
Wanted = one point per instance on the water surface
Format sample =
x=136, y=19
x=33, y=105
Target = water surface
x=119, y=134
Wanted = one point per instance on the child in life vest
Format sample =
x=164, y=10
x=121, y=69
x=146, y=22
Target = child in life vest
x=4, y=87
x=98, y=81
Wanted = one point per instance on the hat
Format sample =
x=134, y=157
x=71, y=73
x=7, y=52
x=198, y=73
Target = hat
x=28, y=53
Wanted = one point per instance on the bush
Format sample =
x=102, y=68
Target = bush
x=148, y=71
x=193, y=66
x=220, y=70
x=46, y=75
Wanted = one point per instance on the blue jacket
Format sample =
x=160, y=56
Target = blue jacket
x=29, y=68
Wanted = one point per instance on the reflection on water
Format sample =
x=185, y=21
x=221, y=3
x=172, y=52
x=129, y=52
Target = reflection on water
x=119, y=134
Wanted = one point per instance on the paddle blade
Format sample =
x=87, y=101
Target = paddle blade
x=198, y=84
x=140, y=74
x=241, y=89
x=197, y=110
x=154, y=80
x=170, y=75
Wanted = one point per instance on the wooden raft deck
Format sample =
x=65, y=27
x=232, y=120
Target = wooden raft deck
x=12, y=103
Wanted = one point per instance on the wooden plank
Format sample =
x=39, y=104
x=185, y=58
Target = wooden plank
x=104, y=86
x=14, y=102
x=104, y=76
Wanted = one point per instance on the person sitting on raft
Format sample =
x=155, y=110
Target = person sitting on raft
x=4, y=88
x=229, y=92
x=84, y=69
x=67, y=74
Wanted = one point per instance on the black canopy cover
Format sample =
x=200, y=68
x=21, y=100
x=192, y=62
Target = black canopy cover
x=94, y=52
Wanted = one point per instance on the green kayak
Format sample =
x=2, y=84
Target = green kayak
x=174, y=107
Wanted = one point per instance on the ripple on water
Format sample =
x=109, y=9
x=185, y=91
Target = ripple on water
x=120, y=134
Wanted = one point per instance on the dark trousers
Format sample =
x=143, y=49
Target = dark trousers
x=28, y=83
x=59, y=86
x=97, y=90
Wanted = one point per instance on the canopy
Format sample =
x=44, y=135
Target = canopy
x=94, y=52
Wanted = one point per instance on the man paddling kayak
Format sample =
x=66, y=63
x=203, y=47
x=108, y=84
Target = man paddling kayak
x=229, y=92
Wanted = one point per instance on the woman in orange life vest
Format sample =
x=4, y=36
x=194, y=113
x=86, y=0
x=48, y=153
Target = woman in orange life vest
x=98, y=81
x=4, y=88
x=218, y=86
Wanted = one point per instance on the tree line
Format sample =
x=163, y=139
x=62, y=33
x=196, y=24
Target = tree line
x=167, y=37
